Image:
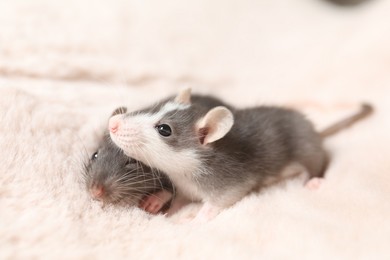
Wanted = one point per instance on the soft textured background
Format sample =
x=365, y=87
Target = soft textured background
x=65, y=65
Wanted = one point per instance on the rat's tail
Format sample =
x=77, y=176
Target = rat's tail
x=365, y=110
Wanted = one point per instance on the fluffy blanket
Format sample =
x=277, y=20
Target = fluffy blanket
x=65, y=65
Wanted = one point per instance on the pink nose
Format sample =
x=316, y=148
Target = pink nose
x=113, y=124
x=97, y=192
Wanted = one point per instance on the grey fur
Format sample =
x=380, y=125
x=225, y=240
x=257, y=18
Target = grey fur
x=124, y=179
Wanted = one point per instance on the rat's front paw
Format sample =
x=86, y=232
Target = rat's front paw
x=153, y=203
x=206, y=213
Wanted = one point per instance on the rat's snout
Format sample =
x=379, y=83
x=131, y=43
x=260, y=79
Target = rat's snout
x=97, y=192
x=113, y=124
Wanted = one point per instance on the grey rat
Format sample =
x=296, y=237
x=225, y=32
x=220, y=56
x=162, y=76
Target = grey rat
x=112, y=177
x=217, y=154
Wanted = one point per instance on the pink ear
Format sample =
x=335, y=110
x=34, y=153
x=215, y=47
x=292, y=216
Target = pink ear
x=184, y=97
x=215, y=125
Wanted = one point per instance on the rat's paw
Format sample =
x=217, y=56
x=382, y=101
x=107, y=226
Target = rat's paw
x=154, y=202
x=151, y=204
x=193, y=219
x=206, y=213
x=314, y=183
x=185, y=219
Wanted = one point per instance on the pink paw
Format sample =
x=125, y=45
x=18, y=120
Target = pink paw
x=185, y=220
x=151, y=204
x=154, y=202
x=206, y=213
x=314, y=183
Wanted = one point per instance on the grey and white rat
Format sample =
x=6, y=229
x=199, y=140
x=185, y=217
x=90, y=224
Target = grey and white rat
x=112, y=177
x=217, y=154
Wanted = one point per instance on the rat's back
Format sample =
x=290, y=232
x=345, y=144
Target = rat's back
x=263, y=140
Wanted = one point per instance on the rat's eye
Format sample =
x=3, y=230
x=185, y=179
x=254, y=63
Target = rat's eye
x=94, y=156
x=164, y=130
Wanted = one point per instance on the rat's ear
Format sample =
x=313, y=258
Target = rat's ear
x=119, y=110
x=215, y=125
x=184, y=97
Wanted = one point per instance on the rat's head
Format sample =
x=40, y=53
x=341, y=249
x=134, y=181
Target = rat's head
x=112, y=177
x=171, y=135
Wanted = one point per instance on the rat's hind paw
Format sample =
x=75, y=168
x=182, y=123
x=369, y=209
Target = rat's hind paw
x=314, y=183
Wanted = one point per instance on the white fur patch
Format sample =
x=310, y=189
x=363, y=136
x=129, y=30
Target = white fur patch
x=171, y=106
x=139, y=139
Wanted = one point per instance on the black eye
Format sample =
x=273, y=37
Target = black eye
x=164, y=130
x=94, y=156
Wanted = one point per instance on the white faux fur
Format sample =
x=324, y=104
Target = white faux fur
x=62, y=65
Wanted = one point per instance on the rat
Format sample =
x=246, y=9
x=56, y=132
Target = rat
x=112, y=177
x=217, y=154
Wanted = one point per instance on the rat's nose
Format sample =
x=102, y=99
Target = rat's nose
x=97, y=192
x=113, y=124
